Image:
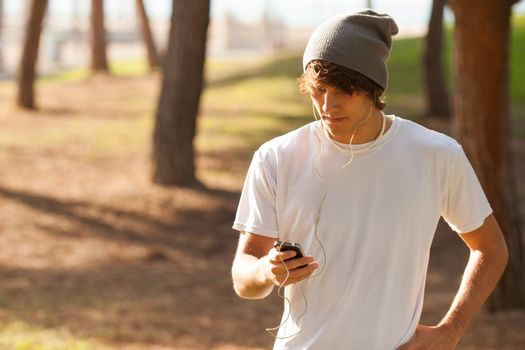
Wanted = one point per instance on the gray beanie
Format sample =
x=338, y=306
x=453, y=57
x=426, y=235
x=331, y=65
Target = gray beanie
x=360, y=41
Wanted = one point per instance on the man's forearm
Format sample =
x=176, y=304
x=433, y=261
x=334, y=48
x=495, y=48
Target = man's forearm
x=479, y=279
x=488, y=258
x=249, y=279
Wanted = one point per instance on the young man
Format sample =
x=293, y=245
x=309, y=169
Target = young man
x=362, y=193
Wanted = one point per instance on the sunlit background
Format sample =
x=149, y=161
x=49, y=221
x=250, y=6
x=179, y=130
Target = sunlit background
x=94, y=256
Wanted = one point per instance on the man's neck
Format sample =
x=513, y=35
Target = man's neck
x=368, y=131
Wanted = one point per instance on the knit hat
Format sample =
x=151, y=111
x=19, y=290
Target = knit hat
x=360, y=41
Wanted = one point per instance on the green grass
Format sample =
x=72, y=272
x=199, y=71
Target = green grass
x=404, y=67
x=68, y=75
x=403, y=95
x=404, y=92
x=21, y=336
x=262, y=97
x=125, y=68
x=517, y=61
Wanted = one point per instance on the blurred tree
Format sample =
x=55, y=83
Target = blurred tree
x=153, y=58
x=436, y=94
x=26, y=74
x=482, y=124
x=99, y=62
x=182, y=84
x=1, y=35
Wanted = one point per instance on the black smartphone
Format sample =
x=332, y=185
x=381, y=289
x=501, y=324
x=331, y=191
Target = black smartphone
x=288, y=245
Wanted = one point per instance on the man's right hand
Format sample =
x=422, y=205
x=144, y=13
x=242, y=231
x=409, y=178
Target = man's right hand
x=282, y=270
x=258, y=267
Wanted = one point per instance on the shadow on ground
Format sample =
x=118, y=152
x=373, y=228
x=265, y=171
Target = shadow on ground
x=172, y=290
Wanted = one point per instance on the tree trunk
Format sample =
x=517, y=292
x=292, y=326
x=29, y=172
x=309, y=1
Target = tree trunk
x=437, y=98
x=99, y=62
x=153, y=58
x=1, y=36
x=482, y=124
x=369, y=4
x=27, y=70
x=179, y=98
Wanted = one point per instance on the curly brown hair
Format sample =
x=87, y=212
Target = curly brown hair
x=342, y=78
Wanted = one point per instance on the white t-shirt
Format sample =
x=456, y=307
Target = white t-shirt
x=376, y=226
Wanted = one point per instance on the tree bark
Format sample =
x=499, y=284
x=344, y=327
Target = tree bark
x=27, y=70
x=436, y=94
x=180, y=94
x=99, y=62
x=147, y=36
x=482, y=124
x=1, y=35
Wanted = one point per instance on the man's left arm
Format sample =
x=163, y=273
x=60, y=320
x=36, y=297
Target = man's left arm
x=487, y=261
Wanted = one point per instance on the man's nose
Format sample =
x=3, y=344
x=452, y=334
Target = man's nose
x=329, y=102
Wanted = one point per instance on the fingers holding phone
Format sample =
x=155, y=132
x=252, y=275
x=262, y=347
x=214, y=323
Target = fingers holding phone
x=287, y=264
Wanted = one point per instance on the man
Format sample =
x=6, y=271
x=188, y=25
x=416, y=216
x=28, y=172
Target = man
x=362, y=193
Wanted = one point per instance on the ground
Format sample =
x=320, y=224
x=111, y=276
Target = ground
x=94, y=256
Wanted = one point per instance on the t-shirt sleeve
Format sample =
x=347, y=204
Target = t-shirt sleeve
x=465, y=206
x=256, y=212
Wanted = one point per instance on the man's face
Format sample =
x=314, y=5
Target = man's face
x=340, y=111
